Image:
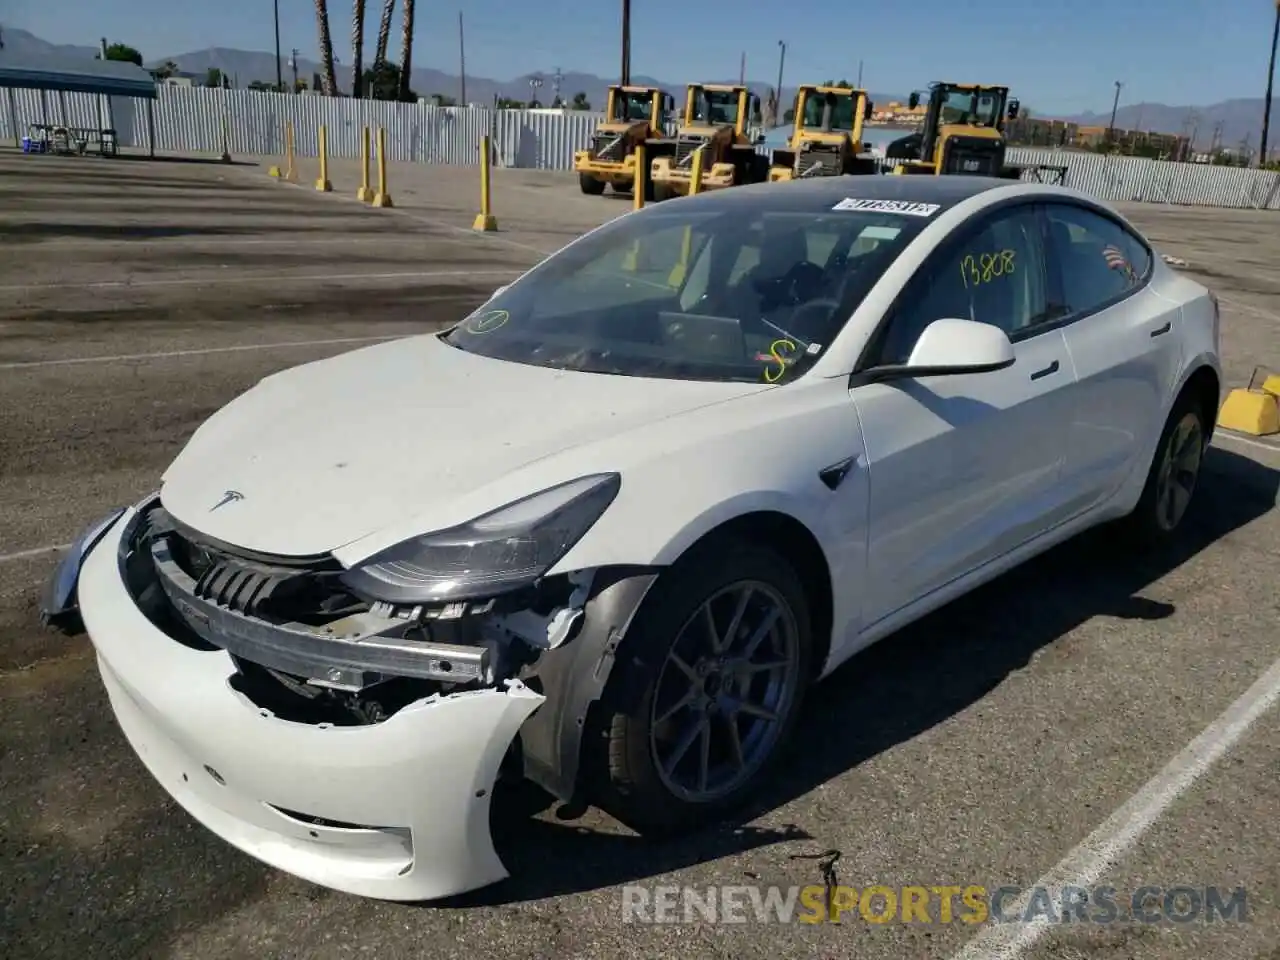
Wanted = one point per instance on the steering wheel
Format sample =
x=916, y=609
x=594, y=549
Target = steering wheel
x=800, y=276
x=817, y=313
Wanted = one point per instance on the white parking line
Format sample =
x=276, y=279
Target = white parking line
x=115, y=244
x=254, y=278
x=1085, y=865
x=460, y=232
x=36, y=552
x=199, y=352
x=1249, y=308
x=1236, y=438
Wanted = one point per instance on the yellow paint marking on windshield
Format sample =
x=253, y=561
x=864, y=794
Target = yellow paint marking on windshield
x=987, y=267
x=486, y=322
x=780, y=352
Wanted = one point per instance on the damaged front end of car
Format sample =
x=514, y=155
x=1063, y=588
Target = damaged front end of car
x=469, y=609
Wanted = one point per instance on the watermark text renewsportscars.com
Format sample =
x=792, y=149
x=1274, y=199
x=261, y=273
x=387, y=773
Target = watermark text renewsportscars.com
x=972, y=904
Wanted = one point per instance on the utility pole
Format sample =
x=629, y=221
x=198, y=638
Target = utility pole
x=293, y=65
x=556, y=78
x=742, y=67
x=625, y=79
x=1266, y=100
x=279, y=74
x=1111, y=127
x=782, y=58
x=462, y=65
x=859, y=74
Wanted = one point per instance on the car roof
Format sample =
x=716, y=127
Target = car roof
x=819, y=194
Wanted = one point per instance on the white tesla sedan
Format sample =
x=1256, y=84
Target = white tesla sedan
x=605, y=531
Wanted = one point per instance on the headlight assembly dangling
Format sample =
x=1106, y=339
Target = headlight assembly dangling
x=496, y=553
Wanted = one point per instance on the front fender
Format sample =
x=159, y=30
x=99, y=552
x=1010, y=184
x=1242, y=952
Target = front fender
x=573, y=676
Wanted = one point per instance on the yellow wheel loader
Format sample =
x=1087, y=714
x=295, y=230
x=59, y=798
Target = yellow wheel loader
x=634, y=115
x=962, y=133
x=715, y=124
x=827, y=137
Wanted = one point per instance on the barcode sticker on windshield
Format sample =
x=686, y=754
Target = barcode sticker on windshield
x=906, y=207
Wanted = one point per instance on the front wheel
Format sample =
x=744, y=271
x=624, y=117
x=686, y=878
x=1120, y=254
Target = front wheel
x=1173, y=475
x=590, y=185
x=709, y=685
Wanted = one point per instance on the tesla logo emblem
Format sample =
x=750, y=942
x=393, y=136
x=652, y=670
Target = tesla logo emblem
x=231, y=496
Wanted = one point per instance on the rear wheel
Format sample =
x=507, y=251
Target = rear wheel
x=1173, y=475
x=590, y=185
x=662, y=192
x=709, y=685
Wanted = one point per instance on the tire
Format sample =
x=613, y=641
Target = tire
x=590, y=185
x=644, y=718
x=661, y=192
x=1182, y=442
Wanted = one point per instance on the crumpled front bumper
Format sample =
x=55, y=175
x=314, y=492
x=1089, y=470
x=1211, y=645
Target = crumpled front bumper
x=397, y=810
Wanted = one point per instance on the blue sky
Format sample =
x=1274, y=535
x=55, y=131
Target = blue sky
x=1059, y=57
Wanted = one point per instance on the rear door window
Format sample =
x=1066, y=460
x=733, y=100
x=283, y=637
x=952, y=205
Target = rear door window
x=1098, y=260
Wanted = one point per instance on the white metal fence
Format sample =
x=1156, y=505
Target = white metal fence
x=196, y=120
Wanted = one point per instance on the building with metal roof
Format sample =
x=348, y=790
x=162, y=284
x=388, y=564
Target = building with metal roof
x=64, y=73
x=75, y=74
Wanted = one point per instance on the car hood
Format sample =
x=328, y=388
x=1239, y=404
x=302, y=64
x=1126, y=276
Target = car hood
x=321, y=455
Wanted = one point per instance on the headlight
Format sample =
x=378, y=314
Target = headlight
x=496, y=553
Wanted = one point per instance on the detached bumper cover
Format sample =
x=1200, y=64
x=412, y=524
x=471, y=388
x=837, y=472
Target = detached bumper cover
x=60, y=599
x=397, y=810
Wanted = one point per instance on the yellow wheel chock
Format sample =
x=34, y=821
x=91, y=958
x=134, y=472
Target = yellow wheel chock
x=1253, y=410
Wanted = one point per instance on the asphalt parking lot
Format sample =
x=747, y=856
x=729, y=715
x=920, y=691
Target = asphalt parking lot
x=1023, y=735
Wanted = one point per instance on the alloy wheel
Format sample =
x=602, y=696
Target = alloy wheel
x=1179, y=471
x=724, y=692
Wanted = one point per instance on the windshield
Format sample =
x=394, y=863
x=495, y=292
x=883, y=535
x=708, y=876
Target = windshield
x=740, y=294
x=632, y=106
x=957, y=107
x=841, y=110
x=716, y=107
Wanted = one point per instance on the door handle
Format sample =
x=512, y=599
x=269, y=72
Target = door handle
x=1047, y=371
x=1168, y=325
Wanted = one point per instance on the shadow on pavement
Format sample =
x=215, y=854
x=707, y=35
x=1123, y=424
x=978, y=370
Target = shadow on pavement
x=94, y=859
x=908, y=683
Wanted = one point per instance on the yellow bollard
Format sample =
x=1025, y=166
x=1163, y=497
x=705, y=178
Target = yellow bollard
x=365, y=193
x=322, y=183
x=226, y=140
x=383, y=197
x=485, y=219
x=676, y=277
x=695, y=178
x=641, y=181
x=288, y=173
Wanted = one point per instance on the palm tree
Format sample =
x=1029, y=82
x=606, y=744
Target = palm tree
x=357, y=49
x=406, y=50
x=384, y=34
x=328, y=78
x=1266, y=102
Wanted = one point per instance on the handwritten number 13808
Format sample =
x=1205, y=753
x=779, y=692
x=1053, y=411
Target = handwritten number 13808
x=986, y=267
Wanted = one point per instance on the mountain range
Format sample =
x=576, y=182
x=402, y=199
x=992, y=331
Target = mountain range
x=1229, y=122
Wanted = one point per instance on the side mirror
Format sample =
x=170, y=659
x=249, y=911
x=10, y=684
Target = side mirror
x=913, y=101
x=951, y=347
x=1014, y=106
x=868, y=110
x=755, y=105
